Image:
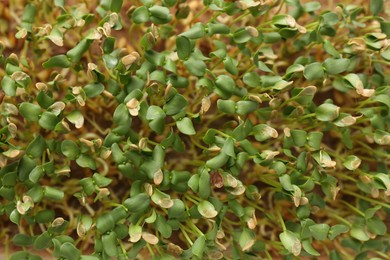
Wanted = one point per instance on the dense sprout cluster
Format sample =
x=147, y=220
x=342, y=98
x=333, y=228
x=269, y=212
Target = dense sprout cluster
x=195, y=129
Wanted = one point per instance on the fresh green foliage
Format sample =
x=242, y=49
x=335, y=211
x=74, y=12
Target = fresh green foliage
x=195, y=129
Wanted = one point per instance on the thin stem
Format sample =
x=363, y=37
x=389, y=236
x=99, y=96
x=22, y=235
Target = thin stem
x=385, y=205
x=385, y=256
x=353, y=208
x=341, y=219
x=268, y=254
x=185, y=235
x=281, y=220
x=150, y=249
x=195, y=228
x=239, y=17
x=203, y=11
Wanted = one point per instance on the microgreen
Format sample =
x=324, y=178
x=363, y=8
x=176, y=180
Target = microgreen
x=194, y=129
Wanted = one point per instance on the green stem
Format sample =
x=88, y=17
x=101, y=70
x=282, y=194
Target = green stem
x=385, y=256
x=268, y=254
x=185, y=235
x=188, y=197
x=195, y=228
x=385, y=205
x=353, y=208
x=255, y=205
x=203, y=11
x=150, y=249
x=307, y=116
x=382, y=62
x=239, y=17
x=281, y=220
x=341, y=219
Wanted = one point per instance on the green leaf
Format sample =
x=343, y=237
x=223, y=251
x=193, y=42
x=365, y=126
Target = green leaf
x=116, y=6
x=384, y=99
x=195, y=67
x=217, y=28
x=337, y=230
x=309, y=248
x=369, y=213
x=154, y=112
x=86, y=161
x=43, y=241
x=291, y=242
x=381, y=137
x=24, y=255
x=185, y=126
x=100, y=180
x=319, y=231
x=110, y=244
x=226, y=106
x=157, y=125
x=178, y=208
x=169, y=3
x=77, y=51
x=60, y=61
x=299, y=137
x=36, y=148
x=76, y=118
x=359, y=233
x=285, y=181
x=376, y=6
x=225, y=83
x=313, y=71
x=327, y=112
x=199, y=247
x=160, y=14
x=22, y=240
x=243, y=35
x=352, y=162
x=311, y=6
x=69, y=251
x=204, y=184
x=246, y=239
x=45, y=216
x=231, y=65
x=206, y=209
x=70, y=149
x=376, y=226
x=183, y=47
x=105, y=223
x=193, y=182
x=197, y=31
x=36, y=174
x=330, y=18
x=14, y=217
x=245, y=107
x=314, y=139
x=140, y=15
x=330, y=49
x=264, y=132
x=386, y=55
x=218, y=161
x=30, y=111
x=175, y=105
x=336, y=66
x=138, y=203
x=93, y=89
x=251, y=79
x=53, y=193
x=9, y=86
x=48, y=120
x=228, y=147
